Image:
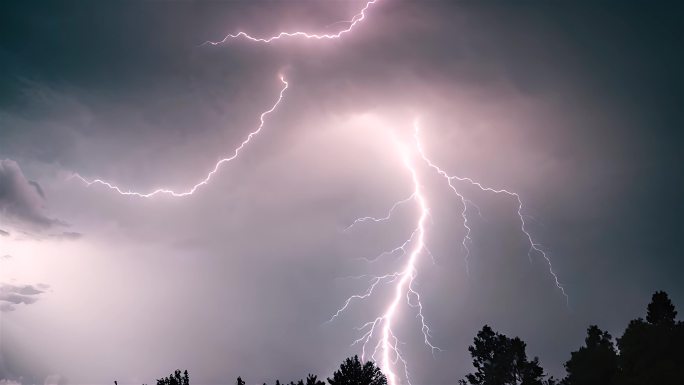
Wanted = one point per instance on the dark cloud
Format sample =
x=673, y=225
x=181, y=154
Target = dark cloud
x=67, y=235
x=21, y=200
x=4, y=233
x=39, y=189
x=12, y=295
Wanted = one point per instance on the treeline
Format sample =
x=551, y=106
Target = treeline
x=649, y=352
x=351, y=372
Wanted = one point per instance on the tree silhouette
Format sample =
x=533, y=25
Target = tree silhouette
x=352, y=372
x=310, y=380
x=661, y=311
x=652, y=352
x=595, y=363
x=176, y=378
x=313, y=380
x=499, y=360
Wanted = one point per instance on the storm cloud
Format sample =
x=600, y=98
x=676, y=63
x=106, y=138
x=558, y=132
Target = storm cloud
x=22, y=201
x=577, y=107
x=12, y=295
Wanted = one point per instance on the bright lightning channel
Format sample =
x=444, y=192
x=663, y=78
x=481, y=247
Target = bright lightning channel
x=207, y=178
x=387, y=346
x=355, y=20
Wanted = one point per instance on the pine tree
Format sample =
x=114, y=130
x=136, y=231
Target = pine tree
x=499, y=360
x=352, y=372
x=595, y=363
x=652, y=351
x=313, y=380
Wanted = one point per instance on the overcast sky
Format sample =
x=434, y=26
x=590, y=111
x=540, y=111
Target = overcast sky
x=576, y=107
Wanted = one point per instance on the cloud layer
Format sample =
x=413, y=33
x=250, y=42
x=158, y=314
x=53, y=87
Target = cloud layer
x=22, y=202
x=13, y=295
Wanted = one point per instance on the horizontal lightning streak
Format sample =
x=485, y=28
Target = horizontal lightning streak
x=217, y=166
x=356, y=19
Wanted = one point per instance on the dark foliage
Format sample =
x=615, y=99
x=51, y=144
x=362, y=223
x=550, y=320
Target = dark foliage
x=649, y=352
x=352, y=372
x=595, y=363
x=500, y=360
x=661, y=311
x=175, y=379
x=310, y=380
x=313, y=380
x=652, y=351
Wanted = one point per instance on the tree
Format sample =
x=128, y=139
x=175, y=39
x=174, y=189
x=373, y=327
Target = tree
x=352, y=372
x=239, y=381
x=175, y=379
x=595, y=363
x=310, y=380
x=652, y=351
x=499, y=360
x=313, y=380
x=661, y=311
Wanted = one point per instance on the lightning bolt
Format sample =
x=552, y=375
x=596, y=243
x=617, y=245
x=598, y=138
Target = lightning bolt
x=387, y=345
x=379, y=331
x=534, y=247
x=355, y=20
x=207, y=178
x=405, y=285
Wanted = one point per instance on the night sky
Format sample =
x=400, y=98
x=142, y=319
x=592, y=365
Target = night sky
x=576, y=106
